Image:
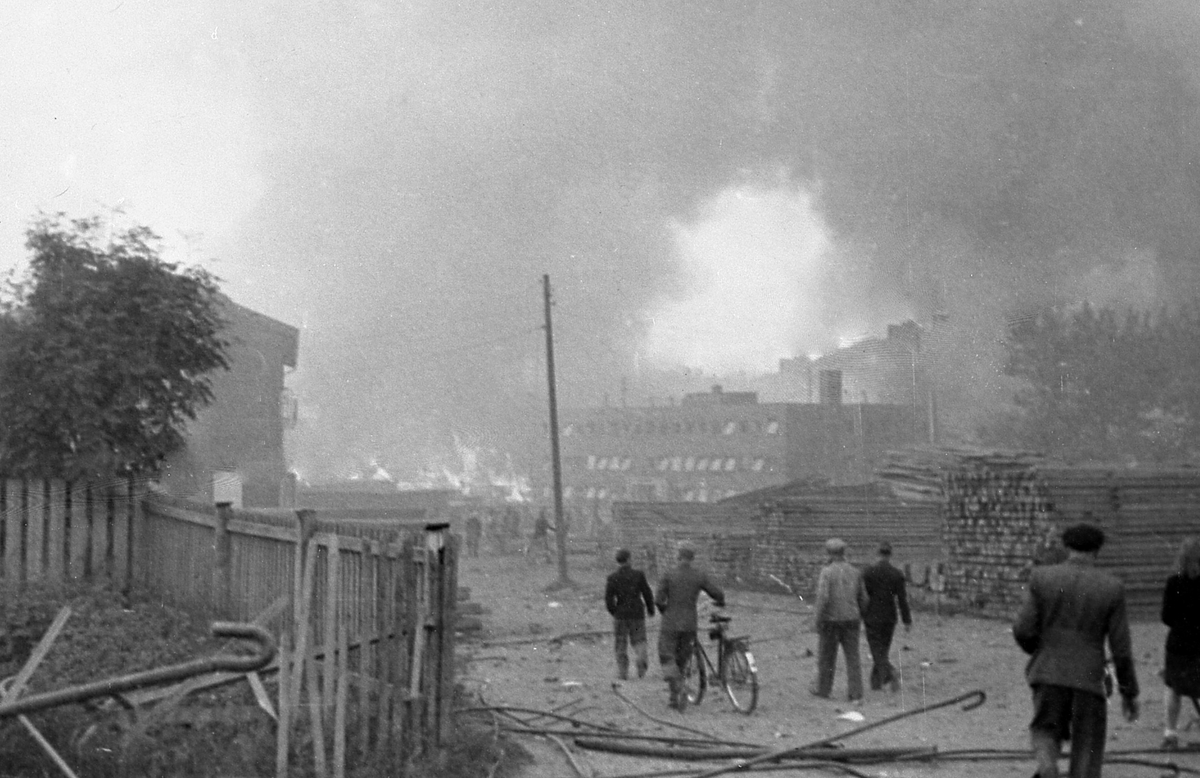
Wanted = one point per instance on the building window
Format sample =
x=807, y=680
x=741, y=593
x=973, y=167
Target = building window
x=602, y=494
x=702, y=464
x=677, y=464
x=758, y=465
x=689, y=496
x=772, y=427
x=730, y=464
x=730, y=427
x=568, y=430
x=602, y=463
x=591, y=493
x=664, y=463
x=567, y=492
x=591, y=465
x=689, y=464
x=626, y=463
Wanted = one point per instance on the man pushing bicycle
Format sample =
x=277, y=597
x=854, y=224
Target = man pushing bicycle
x=676, y=597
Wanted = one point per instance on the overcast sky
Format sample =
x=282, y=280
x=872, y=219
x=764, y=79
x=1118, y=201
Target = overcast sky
x=713, y=185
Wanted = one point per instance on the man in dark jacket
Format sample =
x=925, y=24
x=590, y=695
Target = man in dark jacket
x=1070, y=611
x=676, y=599
x=624, y=594
x=885, y=593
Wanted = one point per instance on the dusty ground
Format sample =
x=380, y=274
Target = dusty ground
x=939, y=659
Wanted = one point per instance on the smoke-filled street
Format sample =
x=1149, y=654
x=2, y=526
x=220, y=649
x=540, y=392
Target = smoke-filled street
x=745, y=283
x=517, y=662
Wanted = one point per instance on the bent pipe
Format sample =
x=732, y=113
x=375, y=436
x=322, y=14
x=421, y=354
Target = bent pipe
x=700, y=754
x=971, y=700
x=264, y=653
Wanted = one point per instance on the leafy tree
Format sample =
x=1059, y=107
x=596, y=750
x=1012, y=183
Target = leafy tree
x=1104, y=386
x=106, y=351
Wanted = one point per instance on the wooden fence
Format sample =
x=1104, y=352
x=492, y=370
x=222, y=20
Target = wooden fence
x=52, y=530
x=364, y=613
x=368, y=628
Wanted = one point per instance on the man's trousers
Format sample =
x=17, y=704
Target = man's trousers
x=627, y=632
x=879, y=641
x=832, y=634
x=1062, y=713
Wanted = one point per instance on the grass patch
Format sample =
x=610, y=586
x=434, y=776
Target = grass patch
x=221, y=732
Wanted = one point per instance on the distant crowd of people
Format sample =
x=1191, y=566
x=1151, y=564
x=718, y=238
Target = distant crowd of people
x=1072, y=612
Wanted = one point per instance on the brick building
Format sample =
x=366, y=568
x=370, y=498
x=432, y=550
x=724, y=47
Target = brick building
x=235, y=445
x=717, y=444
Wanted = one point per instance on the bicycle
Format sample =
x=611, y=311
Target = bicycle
x=734, y=669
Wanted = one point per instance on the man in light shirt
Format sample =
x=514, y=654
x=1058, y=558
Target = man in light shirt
x=841, y=601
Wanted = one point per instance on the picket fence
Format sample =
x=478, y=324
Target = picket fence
x=365, y=614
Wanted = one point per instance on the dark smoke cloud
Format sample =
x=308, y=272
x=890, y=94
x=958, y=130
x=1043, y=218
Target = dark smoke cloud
x=429, y=162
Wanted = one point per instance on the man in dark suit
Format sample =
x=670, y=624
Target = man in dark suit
x=885, y=594
x=676, y=598
x=624, y=594
x=1070, y=611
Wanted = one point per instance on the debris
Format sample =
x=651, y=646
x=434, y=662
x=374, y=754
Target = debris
x=852, y=715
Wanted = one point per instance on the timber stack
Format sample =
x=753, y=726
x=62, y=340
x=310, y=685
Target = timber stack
x=1003, y=511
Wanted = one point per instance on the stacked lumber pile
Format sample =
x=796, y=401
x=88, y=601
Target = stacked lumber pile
x=1002, y=513
x=999, y=520
x=722, y=535
x=1146, y=513
x=791, y=543
x=918, y=473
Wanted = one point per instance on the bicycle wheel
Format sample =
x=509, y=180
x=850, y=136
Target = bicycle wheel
x=739, y=676
x=695, y=675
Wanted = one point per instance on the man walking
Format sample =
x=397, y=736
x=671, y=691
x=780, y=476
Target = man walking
x=540, y=539
x=474, y=534
x=841, y=600
x=1070, y=611
x=624, y=594
x=886, y=592
x=676, y=599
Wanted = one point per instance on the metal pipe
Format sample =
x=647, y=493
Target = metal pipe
x=114, y=686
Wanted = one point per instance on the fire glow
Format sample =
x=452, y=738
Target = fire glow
x=752, y=264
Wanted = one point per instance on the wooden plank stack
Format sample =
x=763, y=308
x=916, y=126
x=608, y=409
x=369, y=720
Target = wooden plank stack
x=791, y=544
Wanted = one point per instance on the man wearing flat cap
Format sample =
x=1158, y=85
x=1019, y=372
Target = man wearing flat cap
x=1070, y=611
x=676, y=598
x=841, y=601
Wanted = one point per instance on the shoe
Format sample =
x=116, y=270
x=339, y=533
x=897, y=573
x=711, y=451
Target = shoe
x=854, y=699
x=895, y=685
x=1170, y=743
x=642, y=670
x=816, y=693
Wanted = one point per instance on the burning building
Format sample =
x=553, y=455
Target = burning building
x=713, y=445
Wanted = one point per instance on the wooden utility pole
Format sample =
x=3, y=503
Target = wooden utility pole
x=560, y=519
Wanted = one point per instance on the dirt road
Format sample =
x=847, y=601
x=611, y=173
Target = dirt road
x=516, y=664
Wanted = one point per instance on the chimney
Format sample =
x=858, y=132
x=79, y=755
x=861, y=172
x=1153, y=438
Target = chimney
x=830, y=387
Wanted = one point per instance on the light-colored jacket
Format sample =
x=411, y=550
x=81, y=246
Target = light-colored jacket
x=841, y=595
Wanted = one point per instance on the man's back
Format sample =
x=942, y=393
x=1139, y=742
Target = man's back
x=1071, y=609
x=677, y=594
x=885, y=591
x=840, y=592
x=627, y=594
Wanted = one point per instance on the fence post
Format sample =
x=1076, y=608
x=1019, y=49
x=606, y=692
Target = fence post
x=447, y=617
x=222, y=575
